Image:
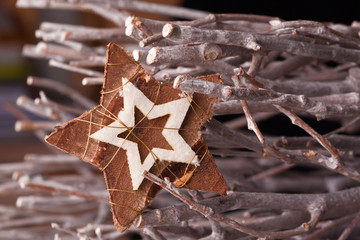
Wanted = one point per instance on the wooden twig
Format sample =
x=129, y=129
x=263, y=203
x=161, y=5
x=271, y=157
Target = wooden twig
x=270, y=172
x=235, y=137
x=38, y=109
x=61, y=88
x=84, y=71
x=322, y=140
x=21, y=126
x=250, y=121
x=299, y=102
x=51, y=186
x=346, y=233
x=257, y=41
x=314, y=209
x=153, y=233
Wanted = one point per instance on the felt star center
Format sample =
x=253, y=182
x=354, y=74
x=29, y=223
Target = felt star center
x=146, y=130
x=176, y=110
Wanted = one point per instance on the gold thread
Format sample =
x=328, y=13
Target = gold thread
x=116, y=89
x=88, y=138
x=196, y=104
x=126, y=207
x=193, y=171
x=129, y=191
x=150, y=127
x=119, y=64
x=111, y=115
x=138, y=68
x=113, y=156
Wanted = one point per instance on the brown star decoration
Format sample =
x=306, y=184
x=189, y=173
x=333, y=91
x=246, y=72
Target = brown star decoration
x=141, y=124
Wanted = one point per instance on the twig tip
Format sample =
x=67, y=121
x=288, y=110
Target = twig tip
x=167, y=30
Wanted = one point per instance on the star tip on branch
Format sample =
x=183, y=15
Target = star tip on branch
x=226, y=92
x=24, y=181
x=19, y=126
x=92, y=81
x=152, y=56
x=129, y=20
x=310, y=153
x=142, y=43
x=41, y=47
x=37, y=101
x=137, y=54
x=20, y=100
x=19, y=202
x=85, y=82
x=253, y=45
x=167, y=30
x=38, y=34
x=178, y=80
x=212, y=16
x=65, y=36
x=19, y=3
x=53, y=62
x=210, y=51
x=237, y=71
x=129, y=30
x=275, y=22
x=98, y=232
x=55, y=225
x=306, y=226
x=30, y=80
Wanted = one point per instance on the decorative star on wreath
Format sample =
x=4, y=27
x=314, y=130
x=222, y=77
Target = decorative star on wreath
x=141, y=124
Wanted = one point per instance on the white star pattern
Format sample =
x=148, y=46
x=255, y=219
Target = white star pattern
x=176, y=110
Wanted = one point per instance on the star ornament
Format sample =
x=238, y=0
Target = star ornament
x=141, y=124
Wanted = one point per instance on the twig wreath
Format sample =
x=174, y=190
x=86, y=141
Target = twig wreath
x=142, y=125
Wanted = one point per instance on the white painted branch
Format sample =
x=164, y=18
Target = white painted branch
x=298, y=102
x=92, y=81
x=61, y=88
x=78, y=33
x=257, y=41
x=21, y=126
x=38, y=109
x=84, y=71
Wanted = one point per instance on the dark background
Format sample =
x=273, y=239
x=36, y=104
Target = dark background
x=325, y=11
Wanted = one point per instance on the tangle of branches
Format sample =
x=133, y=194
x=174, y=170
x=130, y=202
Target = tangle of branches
x=280, y=186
